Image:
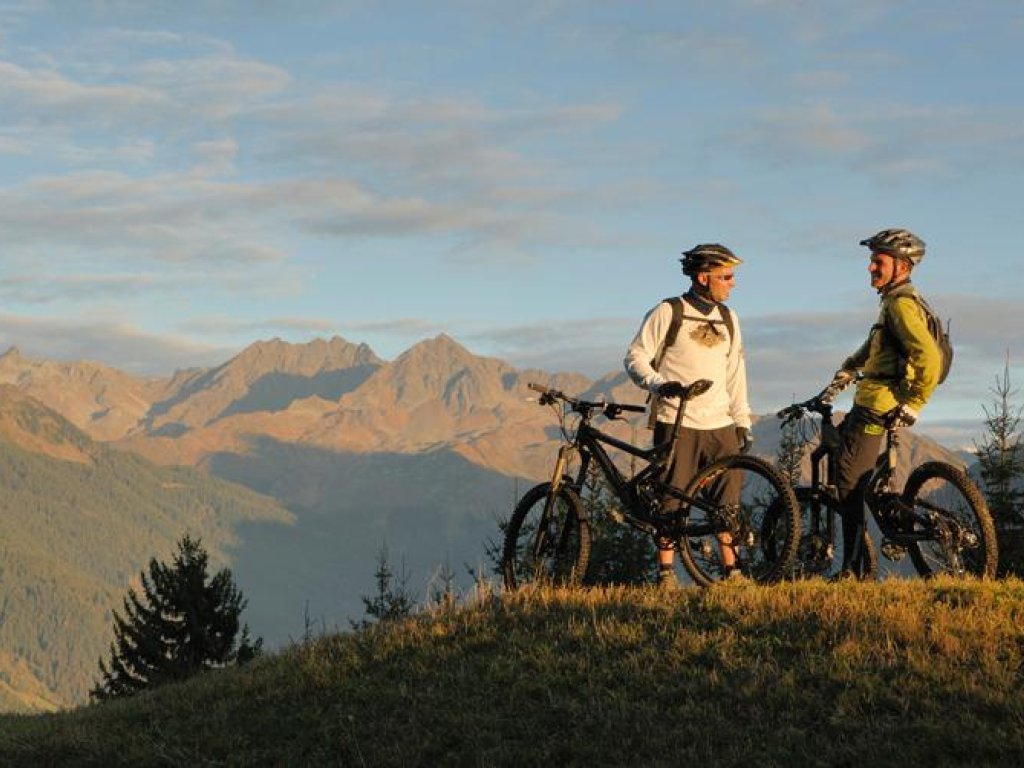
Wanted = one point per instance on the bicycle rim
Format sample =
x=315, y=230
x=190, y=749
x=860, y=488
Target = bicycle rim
x=743, y=506
x=546, y=543
x=950, y=512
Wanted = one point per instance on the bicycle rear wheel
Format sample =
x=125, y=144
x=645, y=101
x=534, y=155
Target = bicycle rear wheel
x=547, y=540
x=819, y=554
x=961, y=536
x=741, y=503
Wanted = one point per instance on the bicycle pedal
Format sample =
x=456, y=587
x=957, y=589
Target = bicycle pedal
x=892, y=551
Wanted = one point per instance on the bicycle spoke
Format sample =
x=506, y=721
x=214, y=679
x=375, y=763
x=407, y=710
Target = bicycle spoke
x=742, y=518
x=951, y=521
x=547, y=540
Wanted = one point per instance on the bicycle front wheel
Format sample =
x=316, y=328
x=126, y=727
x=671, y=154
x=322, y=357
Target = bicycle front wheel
x=947, y=508
x=740, y=515
x=547, y=540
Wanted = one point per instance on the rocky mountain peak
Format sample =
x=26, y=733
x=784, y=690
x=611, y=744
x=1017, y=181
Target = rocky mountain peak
x=28, y=424
x=12, y=355
x=437, y=370
x=439, y=348
x=306, y=359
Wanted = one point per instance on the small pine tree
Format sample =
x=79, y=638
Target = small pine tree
x=183, y=623
x=619, y=553
x=1001, y=466
x=392, y=600
x=1001, y=455
x=792, y=446
x=441, y=589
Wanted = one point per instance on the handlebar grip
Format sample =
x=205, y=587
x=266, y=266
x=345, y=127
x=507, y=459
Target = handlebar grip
x=697, y=388
x=786, y=412
x=537, y=387
x=632, y=408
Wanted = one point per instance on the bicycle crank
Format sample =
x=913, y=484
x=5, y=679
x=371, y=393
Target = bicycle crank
x=892, y=551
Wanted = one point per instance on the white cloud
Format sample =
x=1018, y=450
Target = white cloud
x=48, y=289
x=215, y=157
x=223, y=325
x=892, y=141
x=116, y=344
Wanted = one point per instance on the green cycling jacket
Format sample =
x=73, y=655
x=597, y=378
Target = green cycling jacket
x=900, y=360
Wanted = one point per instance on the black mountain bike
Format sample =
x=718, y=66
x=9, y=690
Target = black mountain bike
x=547, y=539
x=940, y=518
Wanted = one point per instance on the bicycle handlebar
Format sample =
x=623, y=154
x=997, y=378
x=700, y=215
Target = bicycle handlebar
x=611, y=410
x=820, y=404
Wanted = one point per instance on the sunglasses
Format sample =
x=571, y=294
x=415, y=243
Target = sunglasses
x=725, y=278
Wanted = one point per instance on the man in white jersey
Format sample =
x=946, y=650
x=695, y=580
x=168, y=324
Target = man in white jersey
x=708, y=346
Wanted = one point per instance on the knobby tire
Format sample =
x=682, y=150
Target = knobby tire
x=948, y=491
x=765, y=527
x=563, y=546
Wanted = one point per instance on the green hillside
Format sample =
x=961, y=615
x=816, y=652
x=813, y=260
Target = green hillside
x=806, y=674
x=75, y=533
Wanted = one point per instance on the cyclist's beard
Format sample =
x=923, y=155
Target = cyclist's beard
x=703, y=292
x=894, y=282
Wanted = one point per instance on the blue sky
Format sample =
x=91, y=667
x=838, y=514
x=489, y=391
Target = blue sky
x=179, y=180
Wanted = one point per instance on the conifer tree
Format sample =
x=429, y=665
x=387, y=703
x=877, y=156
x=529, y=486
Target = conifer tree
x=1001, y=466
x=1001, y=455
x=619, y=553
x=392, y=600
x=789, y=458
x=184, y=622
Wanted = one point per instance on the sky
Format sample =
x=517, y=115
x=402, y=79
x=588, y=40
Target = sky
x=179, y=180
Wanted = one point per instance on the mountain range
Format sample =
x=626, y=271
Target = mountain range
x=298, y=465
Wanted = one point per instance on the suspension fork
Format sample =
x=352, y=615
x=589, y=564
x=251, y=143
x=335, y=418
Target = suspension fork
x=558, y=477
x=565, y=454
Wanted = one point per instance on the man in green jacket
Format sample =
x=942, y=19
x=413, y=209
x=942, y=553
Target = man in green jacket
x=899, y=367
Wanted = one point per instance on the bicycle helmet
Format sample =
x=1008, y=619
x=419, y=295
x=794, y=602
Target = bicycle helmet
x=707, y=256
x=898, y=243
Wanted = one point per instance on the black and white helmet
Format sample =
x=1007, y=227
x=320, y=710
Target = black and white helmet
x=898, y=243
x=707, y=256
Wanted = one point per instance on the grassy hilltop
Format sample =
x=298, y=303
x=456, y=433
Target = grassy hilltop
x=896, y=673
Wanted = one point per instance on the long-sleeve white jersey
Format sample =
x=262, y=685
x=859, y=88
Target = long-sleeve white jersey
x=688, y=360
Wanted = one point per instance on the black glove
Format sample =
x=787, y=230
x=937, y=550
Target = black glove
x=745, y=438
x=901, y=416
x=671, y=389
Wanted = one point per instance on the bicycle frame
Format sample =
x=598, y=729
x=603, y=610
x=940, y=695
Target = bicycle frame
x=641, y=508
x=888, y=510
x=707, y=519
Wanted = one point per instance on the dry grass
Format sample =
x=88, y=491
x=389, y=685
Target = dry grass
x=897, y=673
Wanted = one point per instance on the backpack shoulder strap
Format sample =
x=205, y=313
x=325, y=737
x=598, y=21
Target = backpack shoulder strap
x=923, y=305
x=673, y=329
x=677, y=320
x=730, y=323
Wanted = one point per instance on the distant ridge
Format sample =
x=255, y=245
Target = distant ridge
x=426, y=453
x=337, y=395
x=78, y=520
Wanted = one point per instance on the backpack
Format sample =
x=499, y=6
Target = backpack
x=676, y=302
x=939, y=333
